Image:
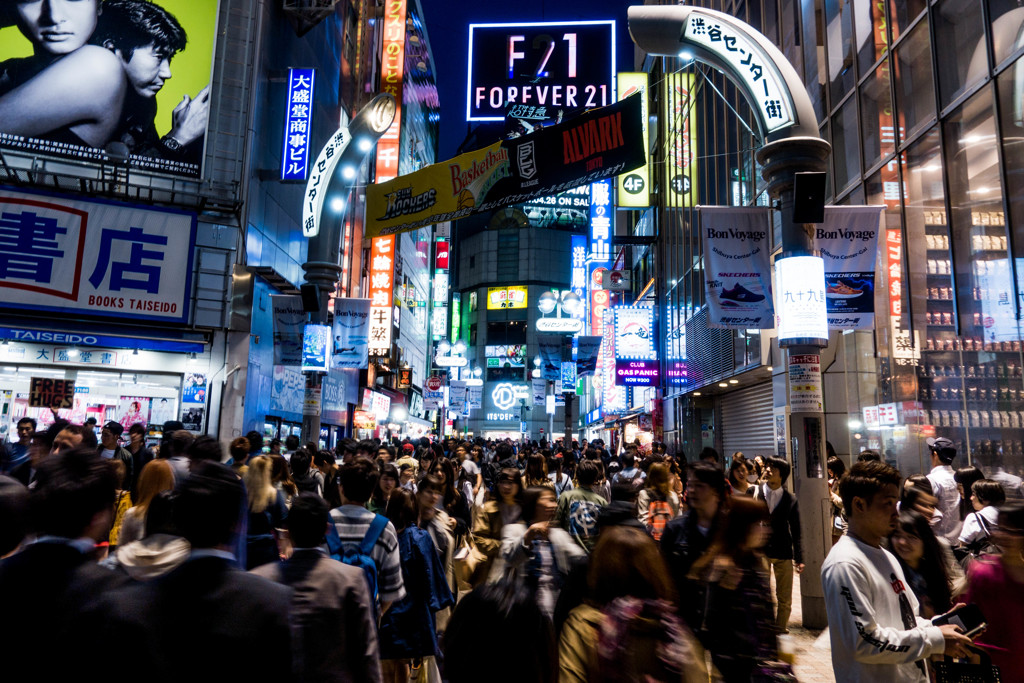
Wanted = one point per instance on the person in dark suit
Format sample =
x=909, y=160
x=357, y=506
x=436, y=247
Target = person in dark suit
x=784, y=552
x=332, y=605
x=207, y=620
x=47, y=588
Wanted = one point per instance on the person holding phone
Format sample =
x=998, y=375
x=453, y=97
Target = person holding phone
x=875, y=629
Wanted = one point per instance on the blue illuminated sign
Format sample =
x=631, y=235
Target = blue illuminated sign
x=299, y=115
x=601, y=222
x=315, y=355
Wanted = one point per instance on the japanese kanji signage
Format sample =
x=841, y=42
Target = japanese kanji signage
x=805, y=390
x=297, y=122
x=546, y=65
x=382, y=276
x=634, y=187
x=578, y=273
x=45, y=392
x=758, y=73
x=737, y=243
x=800, y=282
x=92, y=258
x=512, y=296
x=848, y=242
x=392, y=72
x=319, y=178
x=601, y=222
x=680, y=114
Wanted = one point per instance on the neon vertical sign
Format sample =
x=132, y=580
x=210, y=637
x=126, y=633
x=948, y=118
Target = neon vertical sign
x=392, y=64
x=297, y=122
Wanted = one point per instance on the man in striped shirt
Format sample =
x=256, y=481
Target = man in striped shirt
x=352, y=521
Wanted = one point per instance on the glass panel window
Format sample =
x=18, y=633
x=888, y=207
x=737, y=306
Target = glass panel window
x=1007, y=26
x=1011, y=116
x=902, y=13
x=872, y=33
x=991, y=355
x=915, y=92
x=962, y=60
x=877, y=116
x=839, y=32
x=846, y=145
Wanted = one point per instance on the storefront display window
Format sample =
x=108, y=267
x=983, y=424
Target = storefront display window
x=962, y=58
x=915, y=90
x=846, y=144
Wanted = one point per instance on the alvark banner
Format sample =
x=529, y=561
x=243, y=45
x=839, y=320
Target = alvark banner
x=848, y=243
x=602, y=143
x=737, y=267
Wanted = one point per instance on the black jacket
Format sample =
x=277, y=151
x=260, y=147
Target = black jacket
x=784, y=543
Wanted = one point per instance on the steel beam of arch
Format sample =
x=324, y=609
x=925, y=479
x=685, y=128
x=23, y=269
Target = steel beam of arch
x=669, y=30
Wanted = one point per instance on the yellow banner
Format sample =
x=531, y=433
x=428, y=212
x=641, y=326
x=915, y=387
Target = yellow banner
x=634, y=187
x=680, y=142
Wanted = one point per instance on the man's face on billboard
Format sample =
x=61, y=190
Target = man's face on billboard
x=57, y=27
x=147, y=70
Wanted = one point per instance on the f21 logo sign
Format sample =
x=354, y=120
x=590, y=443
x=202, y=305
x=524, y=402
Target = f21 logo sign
x=555, y=66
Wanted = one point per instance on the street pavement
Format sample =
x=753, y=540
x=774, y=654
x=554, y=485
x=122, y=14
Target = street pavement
x=813, y=653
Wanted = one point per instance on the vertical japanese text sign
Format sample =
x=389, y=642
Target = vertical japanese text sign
x=634, y=187
x=297, y=121
x=382, y=275
x=392, y=65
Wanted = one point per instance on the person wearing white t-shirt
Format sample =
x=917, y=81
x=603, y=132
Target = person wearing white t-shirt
x=874, y=627
x=944, y=487
x=986, y=497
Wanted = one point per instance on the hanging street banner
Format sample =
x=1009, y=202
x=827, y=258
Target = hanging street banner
x=289, y=321
x=737, y=245
x=539, y=389
x=457, y=395
x=587, y=350
x=549, y=348
x=351, y=333
x=602, y=143
x=848, y=242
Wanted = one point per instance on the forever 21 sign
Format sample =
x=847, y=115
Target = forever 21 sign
x=567, y=65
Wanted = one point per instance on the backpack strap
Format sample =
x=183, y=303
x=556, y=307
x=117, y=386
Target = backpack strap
x=983, y=525
x=377, y=526
x=333, y=539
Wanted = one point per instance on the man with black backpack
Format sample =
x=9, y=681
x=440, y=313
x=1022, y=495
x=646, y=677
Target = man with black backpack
x=363, y=539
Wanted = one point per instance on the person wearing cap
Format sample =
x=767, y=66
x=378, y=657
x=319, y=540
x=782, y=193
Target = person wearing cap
x=408, y=458
x=110, y=448
x=944, y=486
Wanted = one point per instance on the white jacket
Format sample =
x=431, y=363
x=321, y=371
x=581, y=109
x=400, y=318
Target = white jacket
x=870, y=643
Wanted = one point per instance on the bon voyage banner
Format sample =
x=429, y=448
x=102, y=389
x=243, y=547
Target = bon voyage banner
x=737, y=270
x=602, y=143
x=848, y=242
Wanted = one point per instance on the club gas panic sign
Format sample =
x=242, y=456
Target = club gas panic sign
x=560, y=65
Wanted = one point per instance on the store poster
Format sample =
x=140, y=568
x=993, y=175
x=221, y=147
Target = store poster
x=162, y=409
x=132, y=410
x=158, y=117
x=737, y=244
x=848, y=243
x=805, y=389
x=288, y=389
x=351, y=333
x=289, y=323
x=193, y=401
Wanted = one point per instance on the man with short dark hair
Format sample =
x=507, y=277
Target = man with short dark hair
x=16, y=454
x=48, y=588
x=332, y=605
x=110, y=449
x=177, y=453
x=194, y=622
x=579, y=508
x=139, y=452
x=943, y=453
x=873, y=625
x=784, y=552
x=353, y=521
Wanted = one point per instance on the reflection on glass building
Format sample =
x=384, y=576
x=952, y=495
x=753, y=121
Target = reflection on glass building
x=923, y=104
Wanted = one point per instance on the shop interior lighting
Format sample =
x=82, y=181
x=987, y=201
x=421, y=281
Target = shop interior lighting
x=73, y=352
x=696, y=393
x=723, y=385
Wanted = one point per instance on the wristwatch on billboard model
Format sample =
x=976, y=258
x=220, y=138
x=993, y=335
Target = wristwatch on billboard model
x=171, y=144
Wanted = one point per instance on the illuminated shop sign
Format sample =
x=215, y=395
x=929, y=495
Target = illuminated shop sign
x=634, y=187
x=564, y=325
x=456, y=315
x=297, y=124
x=601, y=222
x=382, y=280
x=578, y=273
x=760, y=76
x=392, y=72
x=506, y=297
x=548, y=65
x=510, y=355
x=635, y=373
x=315, y=355
x=800, y=283
x=678, y=373
x=506, y=395
x=634, y=333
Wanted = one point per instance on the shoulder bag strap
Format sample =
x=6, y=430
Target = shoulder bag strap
x=377, y=526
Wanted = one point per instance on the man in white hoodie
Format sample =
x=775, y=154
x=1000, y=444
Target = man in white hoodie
x=876, y=633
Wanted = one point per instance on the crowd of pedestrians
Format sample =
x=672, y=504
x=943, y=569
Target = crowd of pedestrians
x=478, y=560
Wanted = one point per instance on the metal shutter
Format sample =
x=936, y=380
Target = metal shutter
x=747, y=421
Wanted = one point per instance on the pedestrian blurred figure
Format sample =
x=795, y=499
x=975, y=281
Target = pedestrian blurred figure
x=156, y=476
x=281, y=477
x=13, y=514
x=141, y=455
x=162, y=548
x=536, y=551
x=502, y=507
x=687, y=537
x=986, y=497
x=657, y=504
x=738, y=471
x=306, y=477
x=267, y=512
x=784, y=550
x=628, y=630
x=331, y=607
x=327, y=465
x=238, y=451
x=739, y=628
x=965, y=478
x=387, y=482
x=836, y=470
x=579, y=508
x=502, y=613
x=920, y=556
x=408, y=630
x=943, y=453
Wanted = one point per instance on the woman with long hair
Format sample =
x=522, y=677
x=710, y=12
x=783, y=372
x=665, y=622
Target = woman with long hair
x=628, y=629
x=502, y=507
x=739, y=624
x=156, y=476
x=560, y=479
x=657, y=504
x=281, y=478
x=454, y=501
x=387, y=482
x=923, y=562
x=739, y=471
x=965, y=478
x=267, y=512
x=536, y=473
x=408, y=629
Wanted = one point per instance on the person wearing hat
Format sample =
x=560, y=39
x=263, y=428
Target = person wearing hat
x=944, y=486
x=408, y=458
x=110, y=448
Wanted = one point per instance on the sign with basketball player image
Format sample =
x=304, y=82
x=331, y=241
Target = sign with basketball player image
x=737, y=245
x=103, y=81
x=848, y=243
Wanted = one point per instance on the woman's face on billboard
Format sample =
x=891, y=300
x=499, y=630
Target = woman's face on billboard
x=57, y=27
